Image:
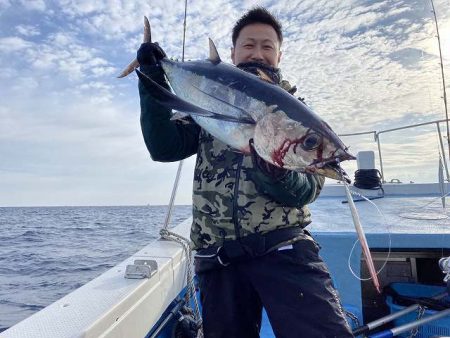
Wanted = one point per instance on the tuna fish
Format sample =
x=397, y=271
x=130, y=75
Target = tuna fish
x=236, y=106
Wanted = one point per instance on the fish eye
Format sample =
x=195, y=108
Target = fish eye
x=311, y=141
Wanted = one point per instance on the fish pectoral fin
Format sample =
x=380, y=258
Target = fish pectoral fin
x=171, y=101
x=245, y=117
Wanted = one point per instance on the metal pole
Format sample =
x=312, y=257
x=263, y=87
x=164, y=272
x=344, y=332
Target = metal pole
x=173, y=195
x=408, y=327
x=442, y=184
x=361, y=133
x=377, y=138
x=376, y=323
x=443, y=151
x=172, y=314
x=442, y=73
x=410, y=126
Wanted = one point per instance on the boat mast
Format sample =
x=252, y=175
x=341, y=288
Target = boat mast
x=442, y=73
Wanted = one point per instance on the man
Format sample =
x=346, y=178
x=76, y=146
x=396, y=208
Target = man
x=248, y=215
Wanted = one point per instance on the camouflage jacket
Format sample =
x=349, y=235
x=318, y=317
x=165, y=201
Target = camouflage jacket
x=231, y=198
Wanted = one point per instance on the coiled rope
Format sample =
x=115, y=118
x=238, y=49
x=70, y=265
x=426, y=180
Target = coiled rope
x=368, y=179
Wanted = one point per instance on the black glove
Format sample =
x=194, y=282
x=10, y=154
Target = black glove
x=149, y=54
x=271, y=171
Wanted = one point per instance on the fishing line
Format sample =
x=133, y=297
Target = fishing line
x=434, y=200
x=357, y=240
x=418, y=214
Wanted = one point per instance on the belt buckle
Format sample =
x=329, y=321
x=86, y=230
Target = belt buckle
x=221, y=262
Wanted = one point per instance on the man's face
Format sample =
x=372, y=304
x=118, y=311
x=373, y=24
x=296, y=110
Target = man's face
x=257, y=42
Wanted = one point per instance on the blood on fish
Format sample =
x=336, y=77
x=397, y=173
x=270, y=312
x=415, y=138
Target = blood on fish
x=279, y=154
x=320, y=152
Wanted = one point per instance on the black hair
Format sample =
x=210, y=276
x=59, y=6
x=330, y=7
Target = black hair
x=257, y=15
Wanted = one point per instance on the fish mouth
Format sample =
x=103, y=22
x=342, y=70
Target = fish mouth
x=331, y=168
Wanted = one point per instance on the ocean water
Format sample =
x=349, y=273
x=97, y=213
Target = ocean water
x=47, y=252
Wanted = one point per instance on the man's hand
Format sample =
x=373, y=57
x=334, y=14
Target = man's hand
x=149, y=54
x=265, y=167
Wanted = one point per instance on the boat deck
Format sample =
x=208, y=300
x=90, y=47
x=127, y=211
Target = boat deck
x=399, y=215
x=131, y=307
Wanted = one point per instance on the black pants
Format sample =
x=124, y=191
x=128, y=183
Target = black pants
x=293, y=285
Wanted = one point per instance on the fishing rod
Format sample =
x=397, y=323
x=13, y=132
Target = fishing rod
x=442, y=73
x=177, y=238
x=180, y=164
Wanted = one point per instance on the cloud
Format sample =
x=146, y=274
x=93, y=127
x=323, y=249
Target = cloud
x=4, y=4
x=60, y=54
x=28, y=30
x=361, y=65
x=13, y=44
x=61, y=39
x=38, y=5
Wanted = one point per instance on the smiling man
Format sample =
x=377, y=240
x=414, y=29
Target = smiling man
x=256, y=42
x=249, y=217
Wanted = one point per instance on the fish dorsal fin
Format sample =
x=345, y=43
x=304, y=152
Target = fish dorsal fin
x=213, y=54
x=263, y=76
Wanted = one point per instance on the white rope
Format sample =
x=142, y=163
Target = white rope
x=190, y=284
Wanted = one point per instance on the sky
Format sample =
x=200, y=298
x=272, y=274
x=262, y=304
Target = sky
x=70, y=132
